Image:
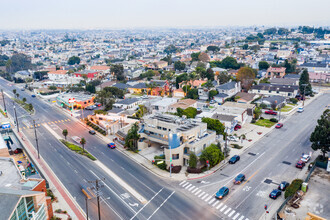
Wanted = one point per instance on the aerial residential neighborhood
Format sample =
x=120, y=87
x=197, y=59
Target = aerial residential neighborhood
x=175, y=121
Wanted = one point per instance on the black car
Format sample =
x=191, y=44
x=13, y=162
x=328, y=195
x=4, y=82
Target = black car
x=92, y=132
x=275, y=193
x=234, y=159
x=283, y=186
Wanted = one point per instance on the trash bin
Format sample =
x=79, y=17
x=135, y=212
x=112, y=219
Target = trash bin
x=304, y=187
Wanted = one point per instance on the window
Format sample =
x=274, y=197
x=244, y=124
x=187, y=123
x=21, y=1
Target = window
x=175, y=156
x=270, y=91
x=158, y=127
x=289, y=94
x=277, y=91
x=85, y=102
x=165, y=129
x=204, y=146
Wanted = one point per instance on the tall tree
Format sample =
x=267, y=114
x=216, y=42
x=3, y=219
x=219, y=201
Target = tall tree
x=193, y=160
x=178, y=65
x=320, y=137
x=263, y=65
x=118, y=70
x=194, y=56
x=74, y=60
x=17, y=62
x=213, y=48
x=246, y=76
x=204, y=57
x=304, y=85
x=65, y=133
x=83, y=142
x=132, y=137
x=214, y=124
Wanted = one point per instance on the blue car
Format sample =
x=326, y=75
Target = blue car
x=234, y=159
x=33, y=96
x=222, y=192
x=239, y=179
x=111, y=145
x=275, y=193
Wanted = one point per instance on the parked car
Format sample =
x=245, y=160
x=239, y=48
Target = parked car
x=300, y=109
x=237, y=127
x=300, y=164
x=92, y=132
x=239, y=179
x=234, y=159
x=270, y=112
x=279, y=125
x=283, y=186
x=33, y=96
x=232, y=138
x=111, y=145
x=76, y=139
x=91, y=107
x=98, y=104
x=275, y=193
x=212, y=102
x=22, y=89
x=222, y=192
x=305, y=158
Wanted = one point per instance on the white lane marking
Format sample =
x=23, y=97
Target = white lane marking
x=248, y=195
x=201, y=194
x=235, y=217
x=216, y=202
x=147, y=203
x=194, y=190
x=219, y=205
x=188, y=186
x=206, y=200
x=227, y=211
x=241, y=218
x=185, y=184
x=230, y=178
x=246, y=219
x=75, y=171
x=182, y=182
x=111, y=208
x=191, y=188
x=114, y=192
x=121, y=182
x=223, y=208
x=205, y=196
x=197, y=192
x=212, y=200
x=232, y=213
x=161, y=205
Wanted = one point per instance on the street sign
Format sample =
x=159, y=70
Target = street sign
x=5, y=125
x=72, y=100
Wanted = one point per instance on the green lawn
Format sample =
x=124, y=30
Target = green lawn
x=288, y=107
x=77, y=149
x=265, y=123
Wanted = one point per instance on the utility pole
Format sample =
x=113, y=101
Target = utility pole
x=16, y=117
x=86, y=207
x=4, y=103
x=97, y=188
x=35, y=134
x=304, y=93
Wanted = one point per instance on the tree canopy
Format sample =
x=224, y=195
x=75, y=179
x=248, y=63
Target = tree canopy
x=263, y=65
x=17, y=62
x=194, y=56
x=74, y=60
x=320, y=137
x=171, y=49
x=212, y=154
x=214, y=124
x=118, y=70
x=246, y=76
x=213, y=48
x=226, y=63
x=190, y=112
x=132, y=137
x=304, y=80
x=178, y=65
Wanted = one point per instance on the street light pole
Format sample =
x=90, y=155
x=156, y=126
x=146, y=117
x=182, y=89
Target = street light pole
x=35, y=133
x=16, y=117
x=304, y=93
x=4, y=103
x=97, y=188
x=86, y=207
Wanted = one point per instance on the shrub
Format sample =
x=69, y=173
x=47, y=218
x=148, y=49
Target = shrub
x=162, y=166
x=192, y=160
x=194, y=170
x=253, y=121
x=294, y=100
x=293, y=188
x=273, y=120
x=262, y=118
x=175, y=169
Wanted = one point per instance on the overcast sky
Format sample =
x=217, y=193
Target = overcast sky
x=94, y=14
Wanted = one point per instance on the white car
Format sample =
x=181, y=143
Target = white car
x=76, y=139
x=305, y=158
x=300, y=109
x=232, y=138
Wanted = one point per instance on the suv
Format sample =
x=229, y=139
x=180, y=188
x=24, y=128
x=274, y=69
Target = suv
x=91, y=107
x=234, y=159
x=275, y=193
x=305, y=158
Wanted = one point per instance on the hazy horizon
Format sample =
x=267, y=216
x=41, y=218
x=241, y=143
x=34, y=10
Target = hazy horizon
x=130, y=14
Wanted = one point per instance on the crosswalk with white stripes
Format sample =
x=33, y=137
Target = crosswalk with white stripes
x=209, y=199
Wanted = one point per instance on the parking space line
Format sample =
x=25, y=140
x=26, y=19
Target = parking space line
x=182, y=182
x=201, y=194
x=228, y=210
x=197, y=192
x=241, y=218
x=206, y=200
x=223, y=208
x=212, y=200
x=191, y=188
x=219, y=205
x=235, y=217
x=194, y=190
x=232, y=213
x=205, y=196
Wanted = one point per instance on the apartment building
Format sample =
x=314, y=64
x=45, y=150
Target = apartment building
x=178, y=136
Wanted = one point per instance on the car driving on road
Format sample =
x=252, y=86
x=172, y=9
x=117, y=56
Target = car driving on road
x=305, y=158
x=222, y=192
x=279, y=125
x=76, y=139
x=239, y=179
x=300, y=164
x=234, y=159
x=111, y=145
x=300, y=109
x=275, y=193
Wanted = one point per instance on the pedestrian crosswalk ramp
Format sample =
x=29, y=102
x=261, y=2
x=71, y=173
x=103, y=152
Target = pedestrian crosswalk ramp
x=212, y=201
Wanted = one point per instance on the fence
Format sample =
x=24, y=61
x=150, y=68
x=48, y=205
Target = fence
x=310, y=172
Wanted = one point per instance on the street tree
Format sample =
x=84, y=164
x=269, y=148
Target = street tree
x=212, y=154
x=24, y=100
x=246, y=76
x=74, y=60
x=305, y=87
x=83, y=142
x=132, y=137
x=178, y=65
x=190, y=112
x=213, y=48
x=65, y=133
x=193, y=160
x=194, y=56
x=214, y=124
x=212, y=93
x=263, y=65
x=14, y=91
x=320, y=137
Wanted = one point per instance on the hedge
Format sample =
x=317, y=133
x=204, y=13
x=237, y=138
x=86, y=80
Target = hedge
x=293, y=188
x=194, y=170
x=175, y=169
x=273, y=120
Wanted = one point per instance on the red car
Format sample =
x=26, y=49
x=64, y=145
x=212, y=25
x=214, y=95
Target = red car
x=300, y=164
x=270, y=112
x=279, y=125
x=237, y=127
x=98, y=104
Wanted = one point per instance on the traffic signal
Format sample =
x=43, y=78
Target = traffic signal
x=153, y=161
x=265, y=207
x=207, y=162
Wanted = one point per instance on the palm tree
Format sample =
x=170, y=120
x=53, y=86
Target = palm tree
x=24, y=100
x=14, y=91
x=17, y=95
x=83, y=142
x=65, y=133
